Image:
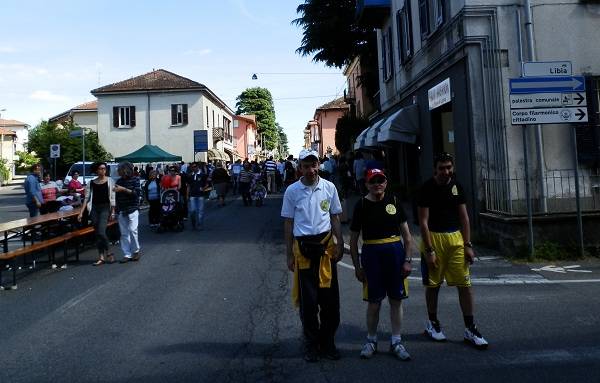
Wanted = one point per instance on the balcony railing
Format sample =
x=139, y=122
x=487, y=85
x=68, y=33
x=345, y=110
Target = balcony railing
x=217, y=134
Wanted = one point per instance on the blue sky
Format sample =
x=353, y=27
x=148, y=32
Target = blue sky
x=52, y=53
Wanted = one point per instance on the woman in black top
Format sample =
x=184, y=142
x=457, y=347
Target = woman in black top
x=384, y=261
x=100, y=202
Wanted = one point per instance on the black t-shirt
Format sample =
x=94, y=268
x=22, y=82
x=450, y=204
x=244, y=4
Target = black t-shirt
x=197, y=182
x=443, y=202
x=378, y=220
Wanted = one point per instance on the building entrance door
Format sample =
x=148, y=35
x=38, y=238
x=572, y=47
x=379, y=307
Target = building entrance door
x=443, y=129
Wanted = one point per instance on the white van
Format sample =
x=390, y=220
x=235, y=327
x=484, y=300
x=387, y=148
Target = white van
x=111, y=171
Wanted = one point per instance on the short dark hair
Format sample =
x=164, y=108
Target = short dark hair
x=443, y=157
x=94, y=167
x=46, y=174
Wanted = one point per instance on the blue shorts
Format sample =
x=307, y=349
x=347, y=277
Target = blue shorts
x=383, y=268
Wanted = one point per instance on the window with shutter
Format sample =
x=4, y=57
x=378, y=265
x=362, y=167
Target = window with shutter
x=424, y=18
x=179, y=114
x=124, y=116
x=404, y=25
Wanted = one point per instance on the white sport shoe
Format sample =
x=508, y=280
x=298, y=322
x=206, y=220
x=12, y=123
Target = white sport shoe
x=399, y=351
x=434, y=331
x=474, y=338
x=368, y=350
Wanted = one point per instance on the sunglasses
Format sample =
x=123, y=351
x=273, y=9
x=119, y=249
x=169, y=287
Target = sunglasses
x=377, y=181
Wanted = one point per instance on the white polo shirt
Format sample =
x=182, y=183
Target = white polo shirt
x=310, y=206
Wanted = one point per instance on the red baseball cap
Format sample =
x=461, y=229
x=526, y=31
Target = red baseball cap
x=375, y=173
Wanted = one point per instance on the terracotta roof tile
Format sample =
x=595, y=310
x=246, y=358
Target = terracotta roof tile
x=156, y=80
x=7, y=132
x=5, y=123
x=90, y=105
x=338, y=103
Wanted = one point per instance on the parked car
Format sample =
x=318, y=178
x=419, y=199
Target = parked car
x=111, y=171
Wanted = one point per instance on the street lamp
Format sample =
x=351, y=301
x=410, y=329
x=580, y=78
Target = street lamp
x=80, y=133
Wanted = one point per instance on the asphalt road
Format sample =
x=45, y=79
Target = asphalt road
x=214, y=306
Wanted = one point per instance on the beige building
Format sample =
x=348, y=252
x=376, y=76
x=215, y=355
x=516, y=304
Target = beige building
x=21, y=131
x=8, y=149
x=162, y=108
x=84, y=115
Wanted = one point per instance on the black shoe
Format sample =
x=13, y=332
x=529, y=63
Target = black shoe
x=331, y=353
x=126, y=260
x=311, y=355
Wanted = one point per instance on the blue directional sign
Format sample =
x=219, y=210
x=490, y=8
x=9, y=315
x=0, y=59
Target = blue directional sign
x=547, y=84
x=200, y=140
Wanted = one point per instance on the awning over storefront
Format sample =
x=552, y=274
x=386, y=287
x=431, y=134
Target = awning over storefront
x=373, y=132
x=216, y=154
x=402, y=126
x=360, y=140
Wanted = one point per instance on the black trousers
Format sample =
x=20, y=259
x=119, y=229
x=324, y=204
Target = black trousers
x=319, y=307
x=154, y=211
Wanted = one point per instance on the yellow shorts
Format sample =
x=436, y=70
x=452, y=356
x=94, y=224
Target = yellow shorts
x=452, y=266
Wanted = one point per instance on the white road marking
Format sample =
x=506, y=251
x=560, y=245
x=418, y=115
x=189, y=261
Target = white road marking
x=562, y=269
x=78, y=299
x=511, y=279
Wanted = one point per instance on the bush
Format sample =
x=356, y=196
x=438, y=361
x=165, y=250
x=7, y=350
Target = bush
x=4, y=171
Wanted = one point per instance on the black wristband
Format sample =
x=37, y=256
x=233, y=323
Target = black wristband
x=468, y=244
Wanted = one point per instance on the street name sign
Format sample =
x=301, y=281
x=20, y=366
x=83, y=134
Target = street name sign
x=547, y=68
x=547, y=84
x=547, y=100
x=548, y=115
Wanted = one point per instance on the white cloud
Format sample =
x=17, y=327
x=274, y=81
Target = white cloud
x=200, y=52
x=7, y=49
x=45, y=95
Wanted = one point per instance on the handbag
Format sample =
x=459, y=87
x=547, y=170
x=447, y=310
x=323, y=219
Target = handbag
x=212, y=194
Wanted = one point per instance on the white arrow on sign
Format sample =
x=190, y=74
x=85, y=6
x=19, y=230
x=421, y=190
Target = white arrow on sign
x=572, y=83
x=547, y=100
x=562, y=270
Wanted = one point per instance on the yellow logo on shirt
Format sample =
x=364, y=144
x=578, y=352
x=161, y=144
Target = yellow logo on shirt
x=325, y=205
x=454, y=190
x=390, y=209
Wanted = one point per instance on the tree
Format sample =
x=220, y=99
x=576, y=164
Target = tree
x=26, y=160
x=346, y=131
x=46, y=134
x=331, y=32
x=258, y=101
x=283, y=141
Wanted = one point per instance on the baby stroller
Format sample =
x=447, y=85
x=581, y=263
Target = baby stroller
x=170, y=211
x=258, y=190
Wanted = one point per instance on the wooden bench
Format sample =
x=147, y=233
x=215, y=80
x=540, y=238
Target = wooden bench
x=47, y=244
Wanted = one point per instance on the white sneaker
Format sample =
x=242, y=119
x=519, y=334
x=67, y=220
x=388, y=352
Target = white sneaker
x=368, y=350
x=434, y=331
x=399, y=351
x=474, y=337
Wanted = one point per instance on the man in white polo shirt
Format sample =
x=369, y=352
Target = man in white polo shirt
x=311, y=208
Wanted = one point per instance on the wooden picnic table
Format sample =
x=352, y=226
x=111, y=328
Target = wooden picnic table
x=19, y=226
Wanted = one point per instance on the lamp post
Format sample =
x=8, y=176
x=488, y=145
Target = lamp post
x=2, y=136
x=80, y=133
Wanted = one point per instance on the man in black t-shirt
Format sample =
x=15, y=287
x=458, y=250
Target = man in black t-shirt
x=446, y=248
x=197, y=182
x=384, y=260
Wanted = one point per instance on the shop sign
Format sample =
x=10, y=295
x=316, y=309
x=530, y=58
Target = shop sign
x=439, y=94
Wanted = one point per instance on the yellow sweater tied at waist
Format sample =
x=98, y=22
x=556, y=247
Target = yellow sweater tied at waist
x=381, y=241
x=303, y=263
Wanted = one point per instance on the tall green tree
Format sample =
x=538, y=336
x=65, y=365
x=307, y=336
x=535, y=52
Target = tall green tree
x=258, y=101
x=46, y=134
x=332, y=35
x=283, y=141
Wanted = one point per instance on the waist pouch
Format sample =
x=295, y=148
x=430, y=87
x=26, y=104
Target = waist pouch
x=313, y=246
